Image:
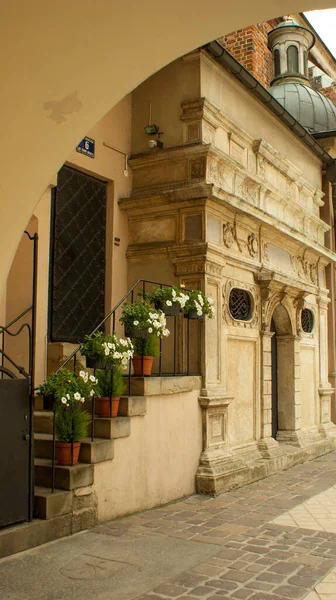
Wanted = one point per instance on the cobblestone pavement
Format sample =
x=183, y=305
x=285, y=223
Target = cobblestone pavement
x=272, y=540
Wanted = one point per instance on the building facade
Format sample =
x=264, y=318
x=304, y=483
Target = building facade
x=231, y=195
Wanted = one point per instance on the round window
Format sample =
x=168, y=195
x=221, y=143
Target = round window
x=307, y=320
x=240, y=304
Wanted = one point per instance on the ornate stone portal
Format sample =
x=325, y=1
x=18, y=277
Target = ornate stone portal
x=229, y=213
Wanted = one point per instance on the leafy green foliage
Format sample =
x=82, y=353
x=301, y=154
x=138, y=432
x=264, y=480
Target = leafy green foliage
x=72, y=424
x=147, y=347
x=65, y=384
x=110, y=348
x=141, y=316
x=199, y=302
x=110, y=383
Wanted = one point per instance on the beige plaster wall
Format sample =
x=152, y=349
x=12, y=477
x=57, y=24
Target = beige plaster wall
x=175, y=83
x=237, y=103
x=113, y=129
x=157, y=463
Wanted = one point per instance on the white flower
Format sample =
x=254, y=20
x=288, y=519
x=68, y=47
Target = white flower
x=156, y=324
x=77, y=396
x=173, y=293
x=106, y=351
x=200, y=299
x=110, y=345
x=154, y=316
x=210, y=300
x=135, y=323
x=199, y=313
x=169, y=303
x=92, y=393
x=182, y=285
x=64, y=400
x=82, y=374
x=150, y=329
x=92, y=378
x=68, y=396
x=166, y=332
x=82, y=399
x=117, y=355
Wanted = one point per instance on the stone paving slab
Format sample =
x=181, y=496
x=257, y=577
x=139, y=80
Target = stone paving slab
x=235, y=546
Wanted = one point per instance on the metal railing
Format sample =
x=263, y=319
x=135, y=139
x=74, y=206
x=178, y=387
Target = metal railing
x=179, y=354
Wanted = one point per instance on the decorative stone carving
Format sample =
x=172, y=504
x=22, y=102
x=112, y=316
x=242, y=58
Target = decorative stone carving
x=264, y=251
x=227, y=287
x=197, y=168
x=229, y=234
x=299, y=303
x=193, y=132
x=252, y=245
x=189, y=267
x=304, y=269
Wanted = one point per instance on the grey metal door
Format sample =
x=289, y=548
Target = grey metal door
x=14, y=451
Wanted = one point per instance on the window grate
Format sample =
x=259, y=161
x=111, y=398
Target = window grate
x=307, y=320
x=240, y=304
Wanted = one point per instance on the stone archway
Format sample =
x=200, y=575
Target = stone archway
x=53, y=98
x=283, y=371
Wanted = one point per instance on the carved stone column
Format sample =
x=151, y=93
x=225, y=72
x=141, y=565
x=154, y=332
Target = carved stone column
x=215, y=452
x=268, y=446
x=325, y=390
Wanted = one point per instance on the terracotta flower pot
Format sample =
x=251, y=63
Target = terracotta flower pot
x=107, y=407
x=67, y=453
x=142, y=365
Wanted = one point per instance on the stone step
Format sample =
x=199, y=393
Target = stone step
x=43, y=421
x=49, y=505
x=66, y=478
x=28, y=535
x=94, y=451
x=114, y=428
x=105, y=428
x=132, y=406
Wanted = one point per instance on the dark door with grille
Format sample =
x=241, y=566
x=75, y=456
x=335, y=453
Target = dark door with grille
x=78, y=256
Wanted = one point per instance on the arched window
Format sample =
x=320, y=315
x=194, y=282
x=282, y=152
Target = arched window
x=292, y=59
x=277, y=69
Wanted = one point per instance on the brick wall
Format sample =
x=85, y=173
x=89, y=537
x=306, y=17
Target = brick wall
x=249, y=47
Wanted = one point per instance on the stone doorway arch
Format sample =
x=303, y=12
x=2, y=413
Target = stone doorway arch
x=283, y=380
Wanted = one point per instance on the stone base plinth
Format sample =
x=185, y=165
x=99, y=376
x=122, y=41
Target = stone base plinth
x=217, y=474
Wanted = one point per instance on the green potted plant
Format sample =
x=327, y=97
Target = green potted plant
x=141, y=320
x=69, y=391
x=110, y=387
x=106, y=352
x=144, y=352
x=168, y=299
x=198, y=306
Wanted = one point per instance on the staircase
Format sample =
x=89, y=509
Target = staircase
x=72, y=506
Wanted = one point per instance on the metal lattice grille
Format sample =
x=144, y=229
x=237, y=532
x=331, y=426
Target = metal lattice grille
x=307, y=320
x=79, y=256
x=240, y=304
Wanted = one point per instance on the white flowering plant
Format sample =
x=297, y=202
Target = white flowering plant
x=168, y=296
x=112, y=349
x=141, y=320
x=69, y=389
x=201, y=304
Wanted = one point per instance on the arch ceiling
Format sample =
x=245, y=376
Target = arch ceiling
x=65, y=64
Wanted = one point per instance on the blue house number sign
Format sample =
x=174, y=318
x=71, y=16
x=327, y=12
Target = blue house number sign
x=87, y=147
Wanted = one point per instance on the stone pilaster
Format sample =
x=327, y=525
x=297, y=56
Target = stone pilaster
x=325, y=390
x=268, y=446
